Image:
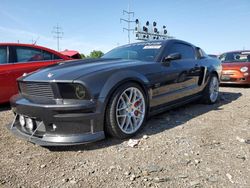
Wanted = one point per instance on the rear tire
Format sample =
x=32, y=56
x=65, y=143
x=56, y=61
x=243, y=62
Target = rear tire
x=126, y=111
x=211, y=91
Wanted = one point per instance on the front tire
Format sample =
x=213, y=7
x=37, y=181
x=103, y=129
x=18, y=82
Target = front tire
x=126, y=111
x=211, y=91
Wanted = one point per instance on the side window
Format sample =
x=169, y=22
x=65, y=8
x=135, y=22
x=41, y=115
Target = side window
x=3, y=55
x=26, y=54
x=186, y=51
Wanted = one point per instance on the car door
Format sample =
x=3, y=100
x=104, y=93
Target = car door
x=28, y=59
x=5, y=77
x=180, y=77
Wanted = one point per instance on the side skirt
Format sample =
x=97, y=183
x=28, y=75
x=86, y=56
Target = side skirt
x=162, y=108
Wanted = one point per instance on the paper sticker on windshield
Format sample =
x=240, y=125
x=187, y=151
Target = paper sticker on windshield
x=152, y=47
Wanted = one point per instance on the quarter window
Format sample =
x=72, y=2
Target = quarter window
x=200, y=53
x=50, y=56
x=55, y=57
x=47, y=56
x=186, y=51
x=3, y=55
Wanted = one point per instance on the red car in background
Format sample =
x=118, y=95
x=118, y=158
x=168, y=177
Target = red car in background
x=17, y=59
x=235, y=67
x=72, y=54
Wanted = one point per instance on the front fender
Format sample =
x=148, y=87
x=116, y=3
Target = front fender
x=121, y=77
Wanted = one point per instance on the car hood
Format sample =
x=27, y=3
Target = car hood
x=71, y=70
x=234, y=65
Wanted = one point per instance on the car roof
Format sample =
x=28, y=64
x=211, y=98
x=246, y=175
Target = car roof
x=34, y=46
x=24, y=44
x=164, y=42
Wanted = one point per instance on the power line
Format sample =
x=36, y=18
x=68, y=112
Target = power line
x=128, y=21
x=57, y=31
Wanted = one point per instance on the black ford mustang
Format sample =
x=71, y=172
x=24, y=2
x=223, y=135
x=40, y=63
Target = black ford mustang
x=77, y=102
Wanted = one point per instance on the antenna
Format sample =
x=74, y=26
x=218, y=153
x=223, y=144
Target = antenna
x=34, y=41
x=57, y=31
x=128, y=21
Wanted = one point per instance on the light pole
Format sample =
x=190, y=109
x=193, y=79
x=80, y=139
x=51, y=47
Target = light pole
x=150, y=32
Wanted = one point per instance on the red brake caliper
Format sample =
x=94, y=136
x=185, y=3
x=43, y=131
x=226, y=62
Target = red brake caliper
x=135, y=105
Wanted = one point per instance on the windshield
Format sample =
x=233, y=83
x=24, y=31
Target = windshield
x=232, y=57
x=138, y=51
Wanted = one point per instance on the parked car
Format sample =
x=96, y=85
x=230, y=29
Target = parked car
x=17, y=59
x=72, y=54
x=78, y=102
x=236, y=67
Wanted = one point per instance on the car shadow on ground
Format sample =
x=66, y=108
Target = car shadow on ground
x=159, y=123
x=5, y=107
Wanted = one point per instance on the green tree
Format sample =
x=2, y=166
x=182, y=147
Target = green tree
x=83, y=56
x=96, y=54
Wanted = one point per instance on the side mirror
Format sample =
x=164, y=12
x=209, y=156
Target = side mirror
x=171, y=57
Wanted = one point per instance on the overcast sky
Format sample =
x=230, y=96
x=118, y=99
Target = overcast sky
x=215, y=26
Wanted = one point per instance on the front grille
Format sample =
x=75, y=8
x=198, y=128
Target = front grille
x=36, y=89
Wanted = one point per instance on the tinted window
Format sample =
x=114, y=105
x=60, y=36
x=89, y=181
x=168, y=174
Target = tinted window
x=56, y=57
x=186, y=51
x=3, y=55
x=47, y=56
x=200, y=53
x=50, y=56
x=138, y=51
x=26, y=54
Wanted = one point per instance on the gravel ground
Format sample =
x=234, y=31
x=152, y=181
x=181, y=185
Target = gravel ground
x=193, y=146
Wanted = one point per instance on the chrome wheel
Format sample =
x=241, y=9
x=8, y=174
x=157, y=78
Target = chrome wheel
x=130, y=110
x=214, y=89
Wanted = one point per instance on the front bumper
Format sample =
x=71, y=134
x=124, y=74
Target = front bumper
x=234, y=77
x=54, y=125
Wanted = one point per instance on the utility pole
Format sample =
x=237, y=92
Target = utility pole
x=128, y=21
x=57, y=31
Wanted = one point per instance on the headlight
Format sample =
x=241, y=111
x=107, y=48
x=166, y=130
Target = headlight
x=73, y=91
x=80, y=92
x=244, y=69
